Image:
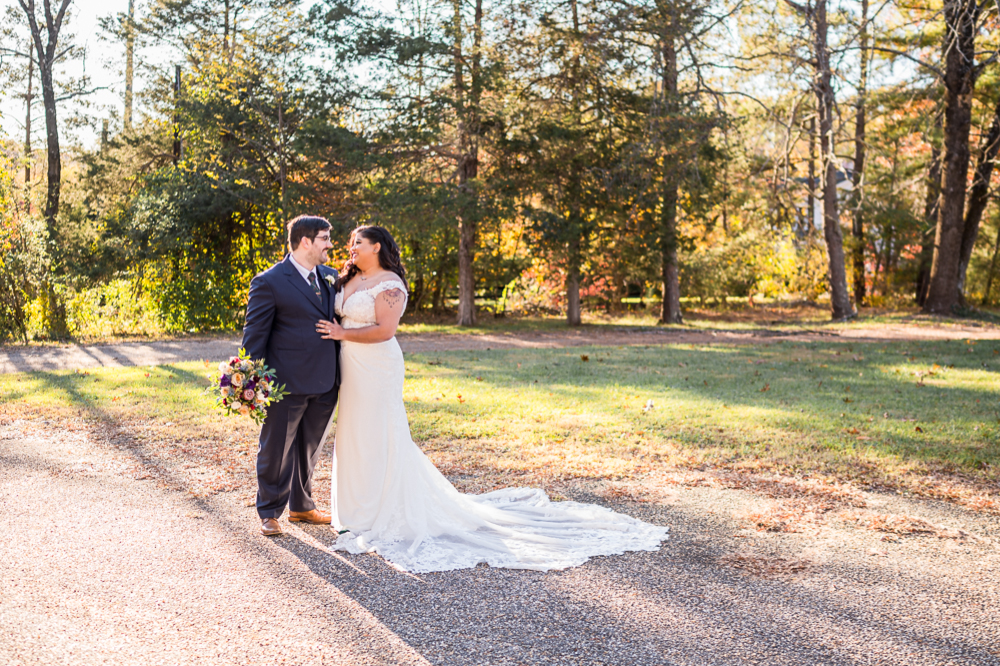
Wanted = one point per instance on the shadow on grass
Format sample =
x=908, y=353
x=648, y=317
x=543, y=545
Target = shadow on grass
x=105, y=425
x=844, y=398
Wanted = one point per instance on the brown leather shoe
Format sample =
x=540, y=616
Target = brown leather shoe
x=270, y=527
x=313, y=517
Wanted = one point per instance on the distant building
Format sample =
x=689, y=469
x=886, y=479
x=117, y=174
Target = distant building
x=845, y=186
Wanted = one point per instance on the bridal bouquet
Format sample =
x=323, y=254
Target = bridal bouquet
x=245, y=387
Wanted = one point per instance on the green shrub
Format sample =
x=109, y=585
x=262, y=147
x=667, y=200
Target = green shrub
x=23, y=263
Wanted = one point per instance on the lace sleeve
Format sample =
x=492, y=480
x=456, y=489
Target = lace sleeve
x=390, y=285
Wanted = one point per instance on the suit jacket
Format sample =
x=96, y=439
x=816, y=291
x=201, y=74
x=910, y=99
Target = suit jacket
x=281, y=328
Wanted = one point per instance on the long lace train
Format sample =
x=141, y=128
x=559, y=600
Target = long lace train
x=394, y=501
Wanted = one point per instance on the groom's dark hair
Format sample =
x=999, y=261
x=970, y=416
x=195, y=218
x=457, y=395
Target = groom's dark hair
x=305, y=226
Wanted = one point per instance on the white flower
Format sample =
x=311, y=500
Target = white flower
x=224, y=368
x=260, y=396
x=330, y=280
x=649, y=405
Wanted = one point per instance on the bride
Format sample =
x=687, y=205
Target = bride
x=389, y=498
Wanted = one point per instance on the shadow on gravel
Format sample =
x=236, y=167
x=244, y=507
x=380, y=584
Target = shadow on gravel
x=676, y=605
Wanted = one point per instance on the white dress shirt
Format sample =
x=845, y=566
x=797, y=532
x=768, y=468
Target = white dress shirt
x=304, y=272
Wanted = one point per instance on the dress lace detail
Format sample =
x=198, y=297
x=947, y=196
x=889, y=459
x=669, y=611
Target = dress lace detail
x=358, y=310
x=396, y=503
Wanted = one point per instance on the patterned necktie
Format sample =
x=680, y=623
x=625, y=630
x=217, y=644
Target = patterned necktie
x=315, y=286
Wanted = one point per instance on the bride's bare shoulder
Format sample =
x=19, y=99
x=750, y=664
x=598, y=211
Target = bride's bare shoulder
x=390, y=277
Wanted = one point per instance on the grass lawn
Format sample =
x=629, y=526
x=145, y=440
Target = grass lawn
x=919, y=417
x=780, y=316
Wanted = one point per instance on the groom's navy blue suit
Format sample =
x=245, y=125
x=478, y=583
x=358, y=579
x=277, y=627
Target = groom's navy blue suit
x=281, y=328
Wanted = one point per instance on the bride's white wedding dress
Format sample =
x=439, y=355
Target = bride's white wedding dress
x=394, y=501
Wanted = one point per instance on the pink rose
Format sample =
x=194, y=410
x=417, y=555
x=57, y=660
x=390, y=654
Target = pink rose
x=248, y=394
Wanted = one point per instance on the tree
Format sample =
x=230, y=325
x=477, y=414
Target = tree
x=129, y=64
x=979, y=196
x=263, y=133
x=467, y=107
x=799, y=45
x=18, y=72
x=858, y=179
x=45, y=41
x=672, y=139
x=816, y=17
x=961, y=18
x=567, y=135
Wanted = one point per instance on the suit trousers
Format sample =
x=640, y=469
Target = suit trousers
x=291, y=440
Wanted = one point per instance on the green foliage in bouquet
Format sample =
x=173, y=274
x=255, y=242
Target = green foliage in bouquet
x=245, y=387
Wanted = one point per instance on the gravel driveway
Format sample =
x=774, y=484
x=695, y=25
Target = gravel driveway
x=105, y=564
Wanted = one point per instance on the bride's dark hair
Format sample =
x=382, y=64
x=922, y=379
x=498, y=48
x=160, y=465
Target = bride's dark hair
x=388, y=254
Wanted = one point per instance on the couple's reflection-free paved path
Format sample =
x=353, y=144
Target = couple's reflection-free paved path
x=105, y=564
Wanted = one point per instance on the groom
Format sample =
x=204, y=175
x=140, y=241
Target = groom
x=285, y=303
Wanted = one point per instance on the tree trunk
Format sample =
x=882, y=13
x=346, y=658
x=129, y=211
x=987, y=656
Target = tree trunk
x=129, y=51
x=979, y=196
x=28, y=98
x=887, y=264
x=441, y=279
x=858, y=228
x=993, y=269
x=282, y=168
x=840, y=301
x=573, y=316
x=177, y=120
x=467, y=112
x=959, y=81
x=466, y=276
x=46, y=53
x=54, y=172
x=418, y=290
x=670, y=308
x=813, y=180
x=573, y=189
x=931, y=203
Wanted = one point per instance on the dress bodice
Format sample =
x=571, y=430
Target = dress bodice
x=358, y=310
